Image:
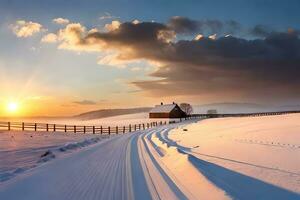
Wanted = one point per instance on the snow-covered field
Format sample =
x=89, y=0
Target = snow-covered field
x=120, y=120
x=229, y=158
x=264, y=148
x=21, y=151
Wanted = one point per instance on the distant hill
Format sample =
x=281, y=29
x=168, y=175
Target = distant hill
x=110, y=113
x=242, y=108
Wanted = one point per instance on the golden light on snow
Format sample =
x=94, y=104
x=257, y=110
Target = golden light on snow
x=12, y=107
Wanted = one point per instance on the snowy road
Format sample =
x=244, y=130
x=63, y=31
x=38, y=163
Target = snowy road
x=100, y=172
x=108, y=170
x=142, y=165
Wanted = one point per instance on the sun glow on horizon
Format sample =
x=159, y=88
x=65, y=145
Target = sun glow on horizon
x=12, y=107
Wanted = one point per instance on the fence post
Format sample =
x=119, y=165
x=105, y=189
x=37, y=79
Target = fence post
x=101, y=131
x=117, y=130
x=34, y=126
x=84, y=129
x=123, y=129
x=8, y=126
x=93, y=129
x=54, y=127
x=135, y=127
x=47, y=127
x=129, y=127
x=144, y=126
x=23, y=126
x=65, y=128
x=109, y=130
x=74, y=129
x=139, y=126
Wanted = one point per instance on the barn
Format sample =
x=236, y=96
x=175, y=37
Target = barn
x=166, y=111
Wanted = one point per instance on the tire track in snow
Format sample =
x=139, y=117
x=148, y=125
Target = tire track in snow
x=140, y=187
x=192, y=183
x=162, y=185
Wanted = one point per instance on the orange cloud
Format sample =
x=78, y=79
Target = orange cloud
x=26, y=29
x=114, y=25
x=61, y=20
x=49, y=38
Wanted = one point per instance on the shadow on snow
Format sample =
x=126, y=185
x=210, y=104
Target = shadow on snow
x=239, y=186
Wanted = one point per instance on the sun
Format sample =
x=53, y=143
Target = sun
x=12, y=107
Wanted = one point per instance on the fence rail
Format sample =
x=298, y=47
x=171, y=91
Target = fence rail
x=27, y=126
x=245, y=114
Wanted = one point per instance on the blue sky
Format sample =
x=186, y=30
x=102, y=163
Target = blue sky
x=249, y=12
x=31, y=68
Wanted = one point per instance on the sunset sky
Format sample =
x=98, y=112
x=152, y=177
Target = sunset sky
x=67, y=57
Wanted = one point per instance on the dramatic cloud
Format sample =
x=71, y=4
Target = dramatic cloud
x=261, y=30
x=49, y=38
x=184, y=25
x=189, y=26
x=213, y=66
x=71, y=38
x=85, y=102
x=113, y=26
x=231, y=66
x=26, y=29
x=61, y=20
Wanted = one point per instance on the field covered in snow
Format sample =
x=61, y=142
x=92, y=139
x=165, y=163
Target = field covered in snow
x=227, y=158
x=265, y=148
x=22, y=151
x=120, y=120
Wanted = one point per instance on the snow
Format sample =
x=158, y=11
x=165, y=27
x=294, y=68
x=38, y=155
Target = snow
x=120, y=120
x=264, y=148
x=21, y=151
x=180, y=171
x=228, y=158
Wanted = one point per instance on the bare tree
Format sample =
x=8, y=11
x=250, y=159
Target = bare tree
x=187, y=108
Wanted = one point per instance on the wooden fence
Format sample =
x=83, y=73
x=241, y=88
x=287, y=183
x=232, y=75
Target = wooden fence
x=25, y=126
